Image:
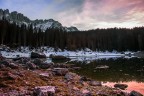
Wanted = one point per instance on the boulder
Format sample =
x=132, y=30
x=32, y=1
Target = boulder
x=44, y=91
x=95, y=83
x=45, y=65
x=58, y=57
x=23, y=60
x=86, y=92
x=13, y=65
x=16, y=59
x=121, y=86
x=37, y=61
x=31, y=65
x=9, y=64
x=135, y=93
x=70, y=76
x=41, y=64
x=60, y=71
x=37, y=55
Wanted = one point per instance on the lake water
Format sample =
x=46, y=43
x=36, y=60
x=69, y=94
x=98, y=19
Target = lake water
x=129, y=71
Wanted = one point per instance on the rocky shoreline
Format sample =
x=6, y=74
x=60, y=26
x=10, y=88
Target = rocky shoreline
x=33, y=77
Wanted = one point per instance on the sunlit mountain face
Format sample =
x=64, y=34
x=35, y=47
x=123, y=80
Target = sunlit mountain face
x=84, y=14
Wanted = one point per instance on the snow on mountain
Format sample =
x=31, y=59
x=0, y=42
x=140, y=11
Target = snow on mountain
x=48, y=24
x=20, y=19
x=71, y=29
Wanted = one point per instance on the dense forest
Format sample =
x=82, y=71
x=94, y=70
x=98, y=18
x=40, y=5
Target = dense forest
x=120, y=39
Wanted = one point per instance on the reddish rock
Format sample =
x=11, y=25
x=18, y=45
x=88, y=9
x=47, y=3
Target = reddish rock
x=13, y=65
x=70, y=76
x=60, y=71
x=11, y=76
x=86, y=92
x=44, y=91
x=95, y=83
x=31, y=66
x=9, y=64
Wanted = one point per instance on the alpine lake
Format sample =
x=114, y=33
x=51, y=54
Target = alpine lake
x=112, y=70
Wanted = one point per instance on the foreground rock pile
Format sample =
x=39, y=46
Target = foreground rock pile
x=33, y=77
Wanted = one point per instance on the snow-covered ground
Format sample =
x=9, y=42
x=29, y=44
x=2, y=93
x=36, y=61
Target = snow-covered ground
x=79, y=54
x=14, y=54
x=83, y=53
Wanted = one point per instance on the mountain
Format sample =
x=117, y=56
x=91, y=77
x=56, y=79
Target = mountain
x=20, y=19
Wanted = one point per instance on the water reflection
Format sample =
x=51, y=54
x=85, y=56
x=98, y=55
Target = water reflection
x=132, y=85
x=127, y=70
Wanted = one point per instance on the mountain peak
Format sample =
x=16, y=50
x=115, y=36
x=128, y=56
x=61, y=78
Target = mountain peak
x=19, y=19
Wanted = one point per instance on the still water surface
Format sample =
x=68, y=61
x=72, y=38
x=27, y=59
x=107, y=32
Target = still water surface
x=129, y=71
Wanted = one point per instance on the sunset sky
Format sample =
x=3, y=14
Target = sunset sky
x=84, y=14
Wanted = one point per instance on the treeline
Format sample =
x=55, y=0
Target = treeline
x=120, y=39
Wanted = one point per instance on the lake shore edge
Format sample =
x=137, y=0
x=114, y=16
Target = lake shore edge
x=26, y=76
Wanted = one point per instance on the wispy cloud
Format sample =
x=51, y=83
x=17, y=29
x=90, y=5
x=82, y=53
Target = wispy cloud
x=84, y=14
x=107, y=14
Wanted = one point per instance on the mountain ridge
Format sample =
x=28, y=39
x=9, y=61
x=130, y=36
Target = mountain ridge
x=20, y=19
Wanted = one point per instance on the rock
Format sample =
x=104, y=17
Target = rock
x=44, y=74
x=37, y=61
x=5, y=62
x=121, y=86
x=45, y=65
x=95, y=83
x=37, y=55
x=11, y=76
x=86, y=92
x=17, y=93
x=59, y=57
x=2, y=66
x=16, y=59
x=1, y=57
x=44, y=91
x=75, y=88
x=102, y=67
x=60, y=71
x=103, y=93
x=83, y=78
x=135, y=93
x=41, y=64
x=70, y=76
x=9, y=64
x=13, y=66
x=31, y=66
x=59, y=65
x=24, y=60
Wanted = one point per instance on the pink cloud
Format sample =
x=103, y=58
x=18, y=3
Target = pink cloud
x=107, y=13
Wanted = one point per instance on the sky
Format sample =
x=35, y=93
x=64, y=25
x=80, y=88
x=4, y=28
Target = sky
x=83, y=14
